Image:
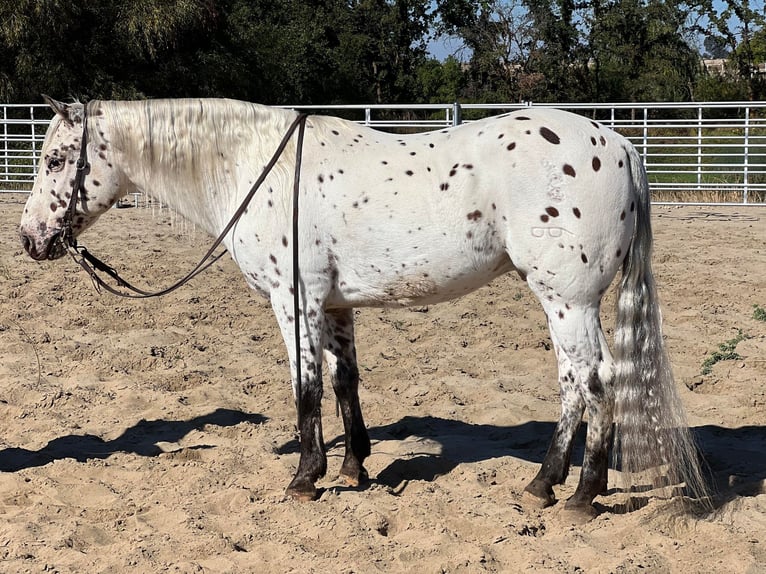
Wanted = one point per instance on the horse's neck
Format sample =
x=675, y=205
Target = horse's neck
x=197, y=166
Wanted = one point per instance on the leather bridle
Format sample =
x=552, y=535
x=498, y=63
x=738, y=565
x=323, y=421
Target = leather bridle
x=91, y=264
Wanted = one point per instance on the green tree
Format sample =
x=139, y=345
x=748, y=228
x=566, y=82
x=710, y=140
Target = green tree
x=738, y=27
x=558, y=55
x=502, y=40
x=639, y=51
x=441, y=82
x=79, y=47
x=273, y=51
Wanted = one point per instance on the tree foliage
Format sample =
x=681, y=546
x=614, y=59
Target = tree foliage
x=362, y=51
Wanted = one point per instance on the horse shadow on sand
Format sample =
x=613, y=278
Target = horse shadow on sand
x=140, y=439
x=450, y=443
x=734, y=458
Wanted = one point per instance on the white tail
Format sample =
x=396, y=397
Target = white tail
x=651, y=435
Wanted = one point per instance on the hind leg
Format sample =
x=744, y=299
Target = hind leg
x=555, y=467
x=598, y=392
x=586, y=373
x=340, y=358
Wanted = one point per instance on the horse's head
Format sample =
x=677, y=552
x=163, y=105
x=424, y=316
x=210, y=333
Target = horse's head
x=45, y=212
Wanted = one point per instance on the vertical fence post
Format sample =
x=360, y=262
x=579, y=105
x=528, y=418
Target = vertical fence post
x=6, y=170
x=34, y=141
x=457, y=114
x=746, y=157
x=699, y=148
x=645, y=142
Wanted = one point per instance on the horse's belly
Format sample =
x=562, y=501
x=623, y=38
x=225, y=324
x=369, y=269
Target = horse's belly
x=395, y=288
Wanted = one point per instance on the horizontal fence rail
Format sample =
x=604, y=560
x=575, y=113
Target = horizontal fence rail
x=709, y=153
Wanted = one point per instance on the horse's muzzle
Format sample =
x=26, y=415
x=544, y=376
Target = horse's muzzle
x=48, y=248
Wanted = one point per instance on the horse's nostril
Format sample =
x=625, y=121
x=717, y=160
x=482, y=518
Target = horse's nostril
x=26, y=242
x=29, y=245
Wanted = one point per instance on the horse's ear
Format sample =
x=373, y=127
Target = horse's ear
x=69, y=113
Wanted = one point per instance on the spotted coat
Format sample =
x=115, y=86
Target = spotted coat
x=385, y=220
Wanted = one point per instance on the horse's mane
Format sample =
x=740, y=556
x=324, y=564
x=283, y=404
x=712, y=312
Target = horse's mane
x=182, y=151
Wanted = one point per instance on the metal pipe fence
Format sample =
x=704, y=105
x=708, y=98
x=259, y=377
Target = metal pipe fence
x=22, y=130
x=710, y=153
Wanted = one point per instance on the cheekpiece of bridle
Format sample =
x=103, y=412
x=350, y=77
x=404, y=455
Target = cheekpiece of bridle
x=66, y=237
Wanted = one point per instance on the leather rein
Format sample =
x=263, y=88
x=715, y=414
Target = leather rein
x=91, y=264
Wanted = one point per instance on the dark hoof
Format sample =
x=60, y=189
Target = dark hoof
x=302, y=490
x=539, y=494
x=355, y=476
x=579, y=512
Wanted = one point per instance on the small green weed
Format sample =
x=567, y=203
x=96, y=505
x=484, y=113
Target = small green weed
x=726, y=352
x=759, y=313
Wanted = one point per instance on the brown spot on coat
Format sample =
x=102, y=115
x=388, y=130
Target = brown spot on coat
x=474, y=215
x=550, y=135
x=569, y=170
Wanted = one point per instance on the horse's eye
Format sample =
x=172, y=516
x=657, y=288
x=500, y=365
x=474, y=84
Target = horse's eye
x=55, y=164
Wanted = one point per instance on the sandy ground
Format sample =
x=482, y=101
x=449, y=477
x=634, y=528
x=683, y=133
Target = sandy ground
x=158, y=436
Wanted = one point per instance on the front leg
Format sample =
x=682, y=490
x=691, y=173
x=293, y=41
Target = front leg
x=340, y=356
x=313, y=459
x=312, y=464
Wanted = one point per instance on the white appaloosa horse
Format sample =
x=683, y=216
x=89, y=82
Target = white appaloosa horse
x=389, y=220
